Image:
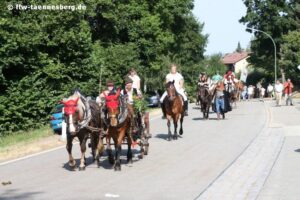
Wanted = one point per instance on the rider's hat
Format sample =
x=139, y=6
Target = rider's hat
x=128, y=80
x=110, y=83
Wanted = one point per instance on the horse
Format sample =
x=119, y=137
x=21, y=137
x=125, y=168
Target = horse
x=240, y=87
x=83, y=119
x=205, y=98
x=233, y=94
x=173, y=107
x=119, y=127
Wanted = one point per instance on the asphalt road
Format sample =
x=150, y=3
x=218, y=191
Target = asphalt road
x=180, y=169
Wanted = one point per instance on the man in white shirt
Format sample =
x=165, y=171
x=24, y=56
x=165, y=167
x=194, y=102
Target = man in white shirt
x=278, y=92
x=250, y=92
x=178, y=83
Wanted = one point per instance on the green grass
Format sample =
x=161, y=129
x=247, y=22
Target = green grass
x=22, y=137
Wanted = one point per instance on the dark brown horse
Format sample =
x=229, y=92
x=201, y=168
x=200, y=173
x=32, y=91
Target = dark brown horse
x=205, y=98
x=83, y=121
x=118, y=129
x=173, y=105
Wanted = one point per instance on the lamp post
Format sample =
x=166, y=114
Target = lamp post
x=275, y=65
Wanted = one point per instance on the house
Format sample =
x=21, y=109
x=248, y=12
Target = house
x=236, y=61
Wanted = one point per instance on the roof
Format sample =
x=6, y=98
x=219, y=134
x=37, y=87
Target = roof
x=235, y=57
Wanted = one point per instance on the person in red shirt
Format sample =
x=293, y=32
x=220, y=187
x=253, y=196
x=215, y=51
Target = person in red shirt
x=288, y=89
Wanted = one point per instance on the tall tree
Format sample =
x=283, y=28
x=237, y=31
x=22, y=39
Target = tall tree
x=276, y=18
x=239, y=48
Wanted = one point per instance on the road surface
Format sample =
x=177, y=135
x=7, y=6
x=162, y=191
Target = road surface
x=190, y=168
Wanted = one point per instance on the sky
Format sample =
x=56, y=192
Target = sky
x=221, y=23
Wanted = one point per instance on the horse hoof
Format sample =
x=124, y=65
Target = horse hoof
x=111, y=160
x=81, y=168
x=117, y=168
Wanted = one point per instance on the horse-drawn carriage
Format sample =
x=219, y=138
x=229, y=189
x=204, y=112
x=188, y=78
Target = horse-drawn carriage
x=87, y=120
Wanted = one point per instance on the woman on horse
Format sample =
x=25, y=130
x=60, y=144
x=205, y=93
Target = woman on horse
x=205, y=81
x=178, y=82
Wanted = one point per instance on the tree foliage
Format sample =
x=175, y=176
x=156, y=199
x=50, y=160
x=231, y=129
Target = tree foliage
x=277, y=18
x=45, y=54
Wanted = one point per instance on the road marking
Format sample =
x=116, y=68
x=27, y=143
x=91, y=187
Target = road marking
x=50, y=150
x=112, y=195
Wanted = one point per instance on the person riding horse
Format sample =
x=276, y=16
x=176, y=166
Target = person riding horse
x=229, y=81
x=178, y=82
x=134, y=95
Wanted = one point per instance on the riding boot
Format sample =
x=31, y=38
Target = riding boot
x=185, y=107
x=163, y=108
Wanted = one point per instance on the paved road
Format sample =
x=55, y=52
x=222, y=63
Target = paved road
x=180, y=169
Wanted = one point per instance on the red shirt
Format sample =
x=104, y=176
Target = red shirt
x=288, y=87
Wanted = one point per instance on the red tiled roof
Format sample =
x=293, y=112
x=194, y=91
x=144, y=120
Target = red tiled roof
x=232, y=58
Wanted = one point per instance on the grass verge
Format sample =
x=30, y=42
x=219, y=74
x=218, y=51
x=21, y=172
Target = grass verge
x=24, y=137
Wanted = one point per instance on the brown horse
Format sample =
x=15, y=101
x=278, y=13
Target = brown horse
x=239, y=86
x=118, y=128
x=173, y=105
x=83, y=120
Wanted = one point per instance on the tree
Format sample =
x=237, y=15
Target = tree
x=290, y=55
x=276, y=18
x=239, y=48
x=54, y=52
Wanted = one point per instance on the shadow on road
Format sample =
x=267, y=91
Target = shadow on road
x=104, y=162
x=11, y=194
x=297, y=150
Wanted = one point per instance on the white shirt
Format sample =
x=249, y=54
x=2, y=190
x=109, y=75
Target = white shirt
x=136, y=80
x=176, y=77
x=262, y=91
x=130, y=95
x=250, y=90
x=270, y=88
x=278, y=87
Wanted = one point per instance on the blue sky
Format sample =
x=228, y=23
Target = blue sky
x=220, y=18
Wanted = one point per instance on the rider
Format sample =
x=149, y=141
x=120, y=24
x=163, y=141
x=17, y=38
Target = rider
x=229, y=79
x=178, y=83
x=135, y=78
x=111, y=90
x=205, y=81
x=133, y=95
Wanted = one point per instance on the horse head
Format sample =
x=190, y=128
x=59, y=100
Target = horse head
x=171, y=90
x=72, y=112
x=112, y=104
x=203, y=92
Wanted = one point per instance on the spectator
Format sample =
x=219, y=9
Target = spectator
x=278, y=92
x=244, y=93
x=250, y=92
x=262, y=93
x=270, y=90
x=288, y=90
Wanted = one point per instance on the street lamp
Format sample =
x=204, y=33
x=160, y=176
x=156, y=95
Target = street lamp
x=275, y=65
